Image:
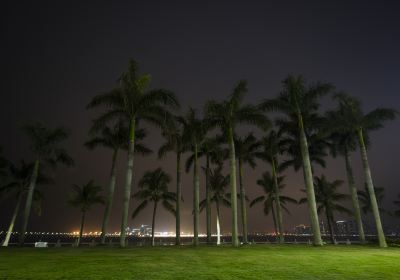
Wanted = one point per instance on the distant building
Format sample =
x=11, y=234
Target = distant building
x=346, y=227
x=302, y=230
x=145, y=230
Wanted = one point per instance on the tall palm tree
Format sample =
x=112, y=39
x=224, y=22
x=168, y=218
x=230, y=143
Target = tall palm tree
x=114, y=138
x=246, y=150
x=210, y=149
x=271, y=147
x=133, y=102
x=45, y=145
x=296, y=101
x=153, y=188
x=353, y=119
x=365, y=199
x=343, y=143
x=17, y=186
x=218, y=194
x=227, y=115
x=173, y=134
x=194, y=130
x=328, y=199
x=397, y=203
x=268, y=185
x=84, y=197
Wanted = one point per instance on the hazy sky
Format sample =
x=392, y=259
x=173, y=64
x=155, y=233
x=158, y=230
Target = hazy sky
x=56, y=55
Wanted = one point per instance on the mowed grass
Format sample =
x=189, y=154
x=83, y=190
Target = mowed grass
x=250, y=262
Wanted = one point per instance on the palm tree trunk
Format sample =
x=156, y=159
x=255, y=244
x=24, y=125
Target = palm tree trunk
x=178, y=198
x=274, y=219
x=277, y=203
x=110, y=198
x=218, y=224
x=243, y=207
x=81, y=230
x=153, y=223
x=354, y=196
x=235, y=239
x=208, y=200
x=329, y=219
x=12, y=223
x=308, y=179
x=29, y=198
x=196, y=199
x=371, y=191
x=128, y=182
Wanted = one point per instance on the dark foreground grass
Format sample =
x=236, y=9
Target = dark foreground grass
x=253, y=262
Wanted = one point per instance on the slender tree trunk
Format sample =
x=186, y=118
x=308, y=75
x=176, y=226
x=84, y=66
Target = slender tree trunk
x=153, y=223
x=330, y=221
x=208, y=200
x=12, y=223
x=196, y=198
x=81, y=230
x=29, y=198
x=235, y=239
x=243, y=206
x=354, y=196
x=371, y=191
x=277, y=203
x=218, y=224
x=178, y=199
x=110, y=198
x=308, y=178
x=128, y=182
x=274, y=220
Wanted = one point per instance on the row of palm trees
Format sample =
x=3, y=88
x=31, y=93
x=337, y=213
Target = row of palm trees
x=300, y=137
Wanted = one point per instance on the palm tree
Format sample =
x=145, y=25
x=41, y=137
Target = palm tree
x=296, y=101
x=45, y=145
x=194, y=131
x=246, y=150
x=133, y=102
x=210, y=149
x=268, y=184
x=153, y=187
x=218, y=194
x=343, y=143
x=328, y=199
x=3, y=164
x=173, y=134
x=17, y=185
x=227, y=115
x=84, y=197
x=397, y=203
x=365, y=199
x=114, y=138
x=353, y=119
x=272, y=146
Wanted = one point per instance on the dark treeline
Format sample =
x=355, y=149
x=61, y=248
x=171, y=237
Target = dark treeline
x=301, y=137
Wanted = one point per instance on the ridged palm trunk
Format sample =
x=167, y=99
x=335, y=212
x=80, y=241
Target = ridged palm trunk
x=279, y=221
x=153, y=223
x=110, y=198
x=330, y=220
x=12, y=223
x=178, y=199
x=371, y=191
x=274, y=219
x=128, y=182
x=243, y=206
x=308, y=179
x=196, y=199
x=208, y=200
x=29, y=198
x=218, y=225
x=235, y=239
x=354, y=197
x=81, y=230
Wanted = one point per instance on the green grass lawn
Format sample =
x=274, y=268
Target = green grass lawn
x=253, y=262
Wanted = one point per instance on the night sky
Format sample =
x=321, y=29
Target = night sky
x=56, y=55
